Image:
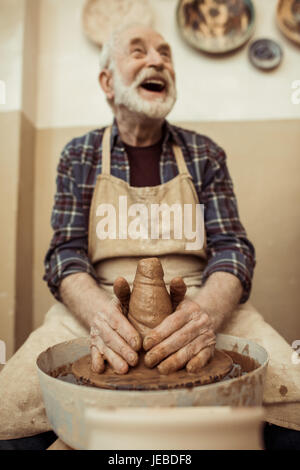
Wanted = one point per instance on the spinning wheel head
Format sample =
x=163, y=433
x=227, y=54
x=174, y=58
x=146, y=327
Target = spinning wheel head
x=142, y=378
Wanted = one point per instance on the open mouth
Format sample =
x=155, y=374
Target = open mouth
x=154, y=85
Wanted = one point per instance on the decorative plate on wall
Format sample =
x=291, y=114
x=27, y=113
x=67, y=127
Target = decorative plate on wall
x=265, y=54
x=288, y=19
x=101, y=17
x=216, y=26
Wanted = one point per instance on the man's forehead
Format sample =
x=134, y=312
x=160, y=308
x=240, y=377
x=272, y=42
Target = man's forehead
x=142, y=34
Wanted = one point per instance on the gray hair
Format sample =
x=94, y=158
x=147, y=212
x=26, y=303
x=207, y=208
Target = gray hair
x=109, y=47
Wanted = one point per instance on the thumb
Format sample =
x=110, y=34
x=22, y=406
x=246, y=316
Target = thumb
x=122, y=291
x=98, y=365
x=177, y=291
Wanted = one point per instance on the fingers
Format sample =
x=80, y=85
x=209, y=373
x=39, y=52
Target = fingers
x=200, y=360
x=172, y=323
x=119, y=323
x=180, y=358
x=117, y=363
x=178, y=340
x=177, y=291
x=122, y=291
x=114, y=341
x=98, y=365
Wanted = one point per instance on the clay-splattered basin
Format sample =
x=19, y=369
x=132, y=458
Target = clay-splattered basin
x=72, y=409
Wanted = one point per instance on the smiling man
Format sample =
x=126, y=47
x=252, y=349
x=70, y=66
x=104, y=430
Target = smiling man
x=138, y=79
x=147, y=91
x=147, y=161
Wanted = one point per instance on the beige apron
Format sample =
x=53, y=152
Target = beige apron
x=21, y=406
x=113, y=257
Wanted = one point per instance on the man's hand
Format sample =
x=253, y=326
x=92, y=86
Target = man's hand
x=113, y=338
x=184, y=338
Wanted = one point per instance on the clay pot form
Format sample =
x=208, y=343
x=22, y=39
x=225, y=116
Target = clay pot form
x=150, y=302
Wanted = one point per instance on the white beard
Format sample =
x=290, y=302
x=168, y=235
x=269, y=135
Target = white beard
x=129, y=97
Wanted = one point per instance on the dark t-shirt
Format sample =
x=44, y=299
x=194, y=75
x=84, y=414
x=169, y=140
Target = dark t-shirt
x=144, y=164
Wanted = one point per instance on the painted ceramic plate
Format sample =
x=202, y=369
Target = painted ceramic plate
x=288, y=19
x=216, y=26
x=101, y=17
x=265, y=54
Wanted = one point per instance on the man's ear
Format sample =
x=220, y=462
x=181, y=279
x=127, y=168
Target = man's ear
x=106, y=82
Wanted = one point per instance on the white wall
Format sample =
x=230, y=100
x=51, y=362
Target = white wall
x=209, y=88
x=11, y=52
x=11, y=64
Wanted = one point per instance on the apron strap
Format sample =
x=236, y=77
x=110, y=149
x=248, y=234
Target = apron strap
x=182, y=168
x=106, y=151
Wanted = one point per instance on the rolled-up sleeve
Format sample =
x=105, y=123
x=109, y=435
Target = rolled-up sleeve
x=68, y=251
x=228, y=248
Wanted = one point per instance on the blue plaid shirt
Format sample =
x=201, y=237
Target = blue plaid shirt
x=228, y=248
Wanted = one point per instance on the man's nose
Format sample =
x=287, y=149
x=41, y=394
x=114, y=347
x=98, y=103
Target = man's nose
x=154, y=59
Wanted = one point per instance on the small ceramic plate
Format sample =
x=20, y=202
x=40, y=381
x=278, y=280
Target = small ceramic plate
x=288, y=19
x=265, y=54
x=101, y=17
x=216, y=26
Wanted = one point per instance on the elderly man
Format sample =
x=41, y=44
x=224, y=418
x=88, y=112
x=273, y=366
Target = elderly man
x=147, y=161
x=138, y=79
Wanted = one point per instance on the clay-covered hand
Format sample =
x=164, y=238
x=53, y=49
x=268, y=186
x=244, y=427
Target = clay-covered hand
x=184, y=338
x=112, y=336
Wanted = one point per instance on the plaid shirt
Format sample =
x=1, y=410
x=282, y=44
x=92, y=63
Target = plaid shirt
x=228, y=248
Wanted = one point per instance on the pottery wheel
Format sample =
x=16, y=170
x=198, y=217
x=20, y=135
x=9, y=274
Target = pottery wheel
x=142, y=378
